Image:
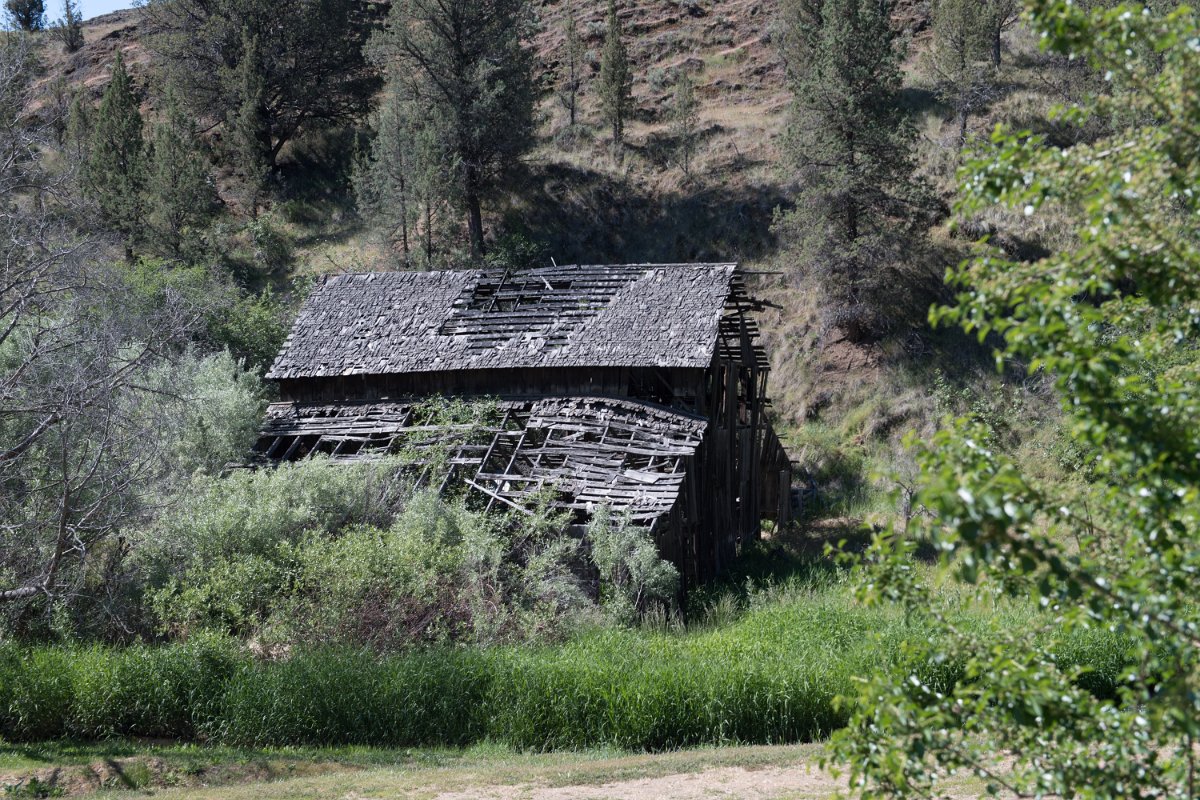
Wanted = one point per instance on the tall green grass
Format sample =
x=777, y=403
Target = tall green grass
x=769, y=676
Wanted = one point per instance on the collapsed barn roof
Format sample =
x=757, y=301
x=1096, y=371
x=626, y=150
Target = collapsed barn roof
x=590, y=450
x=660, y=315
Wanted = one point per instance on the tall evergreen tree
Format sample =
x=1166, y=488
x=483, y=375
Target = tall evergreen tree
x=69, y=29
x=852, y=148
x=27, y=15
x=80, y=120
x=249, y=133
x=572, y=66
x=179, y=189
x=999, y=16
x=616, y=78
x=401, y=184
x=309, y=59
x=58, y=109
x=959, y=59
x=115, y=172
x=468, y=73
x=685, y=119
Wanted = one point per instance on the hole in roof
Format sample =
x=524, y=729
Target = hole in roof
x=546, y=304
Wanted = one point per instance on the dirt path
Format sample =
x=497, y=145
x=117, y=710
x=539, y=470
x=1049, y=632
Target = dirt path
x=746, y=784
x=485, y=773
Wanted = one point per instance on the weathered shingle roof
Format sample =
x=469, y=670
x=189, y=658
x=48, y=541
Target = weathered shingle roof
x=590, y=316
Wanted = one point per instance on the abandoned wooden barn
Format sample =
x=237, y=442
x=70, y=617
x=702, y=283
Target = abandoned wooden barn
x=638, y=386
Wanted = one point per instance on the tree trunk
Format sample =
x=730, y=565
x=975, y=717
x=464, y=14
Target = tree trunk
x=428, y=234
x=474, y=213
x=404, y=217
x=962, y=127
x=996, y=46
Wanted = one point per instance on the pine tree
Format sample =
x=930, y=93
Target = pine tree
x=464, y=69
x=959, y=60
x=616, y=79
x=852, y=148
x=27, y=15
x=386, y=178
x=249, y=134
x=115, y=170
x=309, y=60
x=69, y=29
x=80, y=120
x=685, y=119
x=179, y=188
x=999, y=16
x=58, y=109
x=572, y=67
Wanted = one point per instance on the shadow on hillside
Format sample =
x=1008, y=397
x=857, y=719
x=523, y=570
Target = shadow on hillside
x=584, y=216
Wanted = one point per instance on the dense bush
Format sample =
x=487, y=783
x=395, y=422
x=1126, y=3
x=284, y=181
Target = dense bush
x=771, y=676
x=332, y=554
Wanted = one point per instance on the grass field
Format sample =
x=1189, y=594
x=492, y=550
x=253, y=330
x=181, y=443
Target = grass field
x=768, y=671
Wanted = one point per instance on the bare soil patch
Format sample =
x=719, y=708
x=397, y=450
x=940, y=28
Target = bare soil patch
x=801, y=781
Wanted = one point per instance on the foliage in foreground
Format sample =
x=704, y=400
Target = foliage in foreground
x=353, y=555
x=1115, y=321
x=771, y=676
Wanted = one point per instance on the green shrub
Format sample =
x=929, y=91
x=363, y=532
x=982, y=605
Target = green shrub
x=389, y=587
x=634, y=578
x=217, y=556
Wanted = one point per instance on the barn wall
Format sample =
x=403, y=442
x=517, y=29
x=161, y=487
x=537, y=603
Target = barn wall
x=667, y=386
x=739, y=475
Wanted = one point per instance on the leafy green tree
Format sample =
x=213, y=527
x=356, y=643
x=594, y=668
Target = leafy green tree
x=69, y=29
x=308, y=57
x=466, y=71
x=115, y=172
x=685, y=119
x=571, y=79
x=1114, y=321
x=615, y=87
x=27, y=15
x=959, y=60
x=851, y=146
x=180, y=193
x=253, y=329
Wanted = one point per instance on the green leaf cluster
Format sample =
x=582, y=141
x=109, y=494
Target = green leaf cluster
x=1114, y=321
